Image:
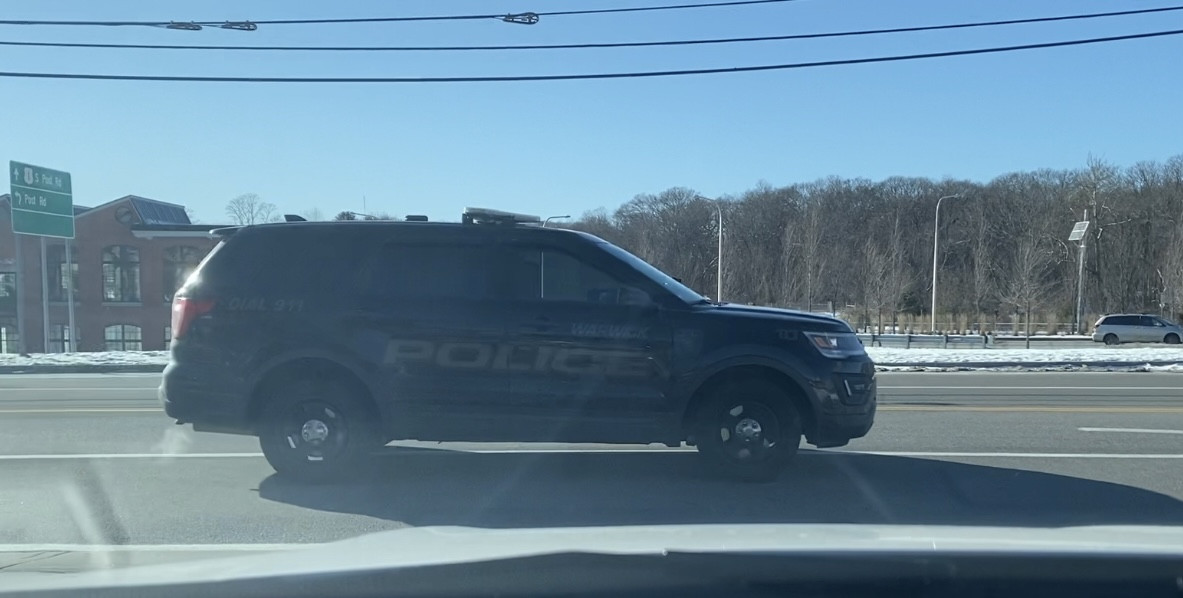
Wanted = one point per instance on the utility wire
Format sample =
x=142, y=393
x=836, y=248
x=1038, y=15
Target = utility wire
x=623, y=75
x=528, y=18
x=731, y=40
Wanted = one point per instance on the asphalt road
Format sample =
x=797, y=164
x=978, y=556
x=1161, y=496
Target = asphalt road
x=90, y=459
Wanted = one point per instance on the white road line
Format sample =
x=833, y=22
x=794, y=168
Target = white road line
x=1009, y=455
x=1132, y=430
x=66, y=456
x=83, y=410
x=76, y=388
x=992, y=387
x=442, y=452
x=150, y=547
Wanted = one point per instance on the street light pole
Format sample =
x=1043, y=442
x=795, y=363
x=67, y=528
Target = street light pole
x=936, y=237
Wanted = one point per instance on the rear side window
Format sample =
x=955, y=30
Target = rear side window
x=281, y=261
x=429, y=271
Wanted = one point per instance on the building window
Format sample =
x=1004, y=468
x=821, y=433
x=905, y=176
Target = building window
x=59, y=339
x=56, y=262
x=168, y=337
x=9, y=340
x=179, y=262
x=123, y=337
x=8, y=292
x=121, y=274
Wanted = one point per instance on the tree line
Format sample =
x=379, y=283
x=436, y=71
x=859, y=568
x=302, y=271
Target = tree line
x=865, y=248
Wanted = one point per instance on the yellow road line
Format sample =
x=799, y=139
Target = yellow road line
x=1030, y=409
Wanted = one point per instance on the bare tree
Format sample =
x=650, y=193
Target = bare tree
x=875, y=287
x=313, y=215
x=811, y=253
x=1027, y=281
x=1171, y=275
x=249, y=208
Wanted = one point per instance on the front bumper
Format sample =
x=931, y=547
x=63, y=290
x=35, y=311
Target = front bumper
x=845, y=403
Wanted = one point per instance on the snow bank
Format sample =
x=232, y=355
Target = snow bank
x=103, y=358
x=1098, y=354
x=1095, y=357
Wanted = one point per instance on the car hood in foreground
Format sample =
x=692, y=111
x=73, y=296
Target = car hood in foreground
x=427, y=546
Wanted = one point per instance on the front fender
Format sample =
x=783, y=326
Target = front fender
x=782, y=361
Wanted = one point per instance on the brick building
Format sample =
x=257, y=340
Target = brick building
x=129, y=257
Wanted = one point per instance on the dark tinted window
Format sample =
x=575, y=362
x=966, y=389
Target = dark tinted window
x=549, y=275
x=430, y=271
x=1150, y=321
x=1121, y=321
x=287, y=261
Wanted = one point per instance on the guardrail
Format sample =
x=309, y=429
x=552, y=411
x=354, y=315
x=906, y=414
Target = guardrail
x=964, y=341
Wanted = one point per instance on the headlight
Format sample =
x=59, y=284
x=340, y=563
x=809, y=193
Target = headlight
x=836, y=345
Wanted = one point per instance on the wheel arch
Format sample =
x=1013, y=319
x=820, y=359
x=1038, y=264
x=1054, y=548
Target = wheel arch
x=304, y=365
x=794, y=389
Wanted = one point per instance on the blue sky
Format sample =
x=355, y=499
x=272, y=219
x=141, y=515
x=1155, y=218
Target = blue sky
x=567, y=147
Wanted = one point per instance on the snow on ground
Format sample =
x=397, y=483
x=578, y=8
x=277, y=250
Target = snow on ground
x=1098, y=354
x=102, y=358
x=1095, y=357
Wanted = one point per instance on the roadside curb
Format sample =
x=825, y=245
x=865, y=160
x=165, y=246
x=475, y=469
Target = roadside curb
x=82, y=369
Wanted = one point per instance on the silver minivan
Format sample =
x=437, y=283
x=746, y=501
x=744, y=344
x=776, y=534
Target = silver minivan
x=1136, y=328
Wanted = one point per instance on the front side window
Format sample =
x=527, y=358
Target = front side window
x=123, y=337
x=179, y=263
x=121, y=274
x=550, y=275
x=58, y=272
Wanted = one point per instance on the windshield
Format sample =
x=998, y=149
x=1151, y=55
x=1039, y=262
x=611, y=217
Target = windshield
x=283, y=273
x=670, y=283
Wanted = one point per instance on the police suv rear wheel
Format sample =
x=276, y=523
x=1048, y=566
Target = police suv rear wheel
x=316, y=430
x=748, y=429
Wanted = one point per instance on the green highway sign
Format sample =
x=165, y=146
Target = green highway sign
x=42, y=201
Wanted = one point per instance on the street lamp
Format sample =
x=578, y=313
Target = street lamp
x=549, y=218
x=936, y=235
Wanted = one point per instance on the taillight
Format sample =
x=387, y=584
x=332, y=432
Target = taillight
x=185, y=310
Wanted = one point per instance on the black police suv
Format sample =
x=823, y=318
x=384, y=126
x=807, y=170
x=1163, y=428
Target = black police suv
x=328, y=340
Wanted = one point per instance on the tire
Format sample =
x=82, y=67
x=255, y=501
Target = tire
x=1171, y=339
x=317, y=430
x=748, y=430
x=1111, y=339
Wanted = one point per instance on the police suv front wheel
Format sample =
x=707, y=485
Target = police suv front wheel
x=316, y=430
x=748, y=429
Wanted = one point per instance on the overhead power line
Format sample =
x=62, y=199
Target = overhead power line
x=731, y=40
x=571, y=77
x=526, y=18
